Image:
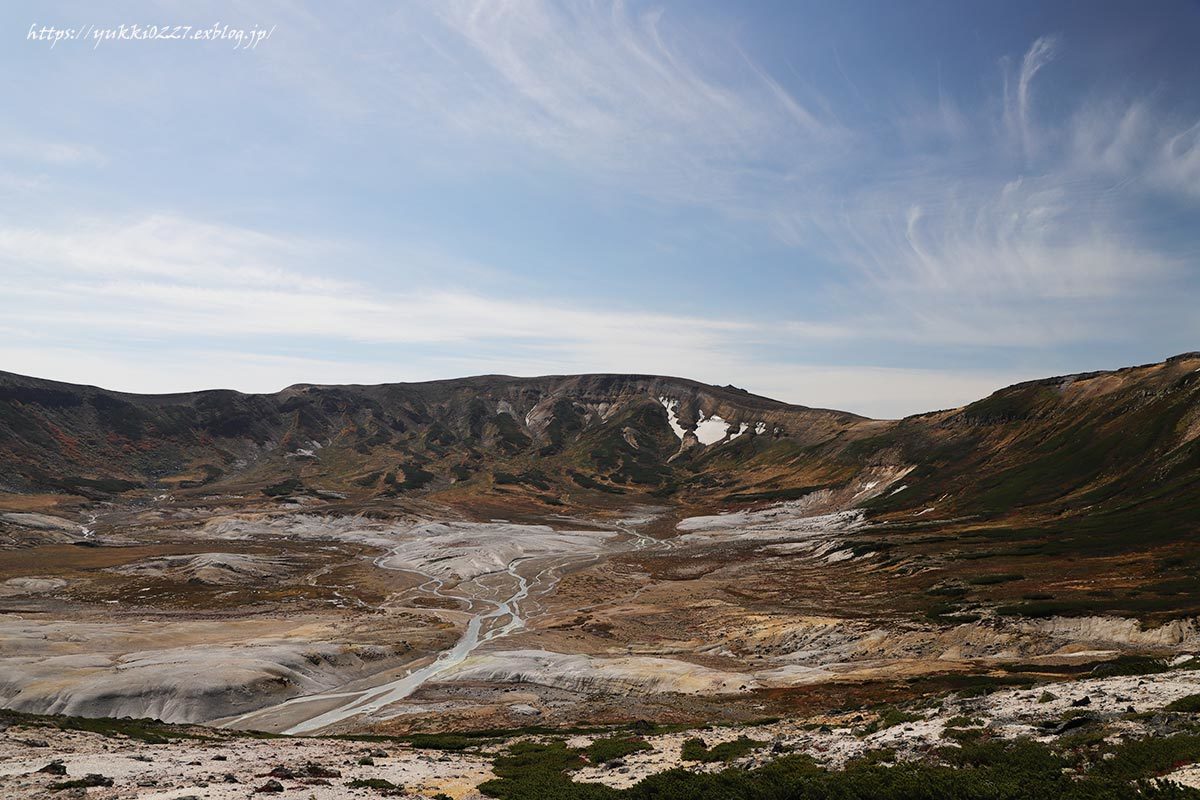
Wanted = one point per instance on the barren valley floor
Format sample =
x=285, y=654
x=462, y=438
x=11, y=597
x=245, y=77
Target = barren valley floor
x=644, y=620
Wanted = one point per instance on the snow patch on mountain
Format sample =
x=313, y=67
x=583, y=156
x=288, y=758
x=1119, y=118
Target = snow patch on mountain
x=673, y=418
x=711, y=430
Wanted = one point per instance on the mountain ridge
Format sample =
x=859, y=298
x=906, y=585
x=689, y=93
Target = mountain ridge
x=569, y=439
x=13, y=378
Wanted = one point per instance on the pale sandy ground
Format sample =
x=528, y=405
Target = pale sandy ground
x=199, y=671
x=192, y=669
x=503, y=575
x=189, y=670
x=1008, y=713
x=1188, y=776
x=188, y=768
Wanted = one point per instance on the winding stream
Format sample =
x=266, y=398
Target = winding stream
x=375, y=698
x=500, y=618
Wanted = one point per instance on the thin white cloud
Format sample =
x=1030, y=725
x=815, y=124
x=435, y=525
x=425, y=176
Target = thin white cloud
x=954, y=222
x=138, y=282
x=1028, y=239
x=936, y=238
x=160, y=245
x=632, y=97
x=1018, y=109
x=1177, y=162
x=1133, y=142
x=167, y=276
x=112, y=294
x=18, y=148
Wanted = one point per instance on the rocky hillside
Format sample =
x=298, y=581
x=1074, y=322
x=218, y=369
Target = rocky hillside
x=1106, y=452
x=541, y=436
x=1103, y=445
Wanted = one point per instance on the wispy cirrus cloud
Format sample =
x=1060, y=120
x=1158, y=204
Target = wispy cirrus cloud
x=1018, y=97
x=995, y=227
x=909, y=210
x=1046, y=247
x=937, y=209
x=174, y=276
x=162, y=246
x=20, y=148
x=630, y=95
x=259, y=323
x=1130, y=140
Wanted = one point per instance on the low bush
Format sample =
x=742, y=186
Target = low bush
x=1130, y=665
x=604, y=750
x=890, y=718
x=1189, y=704
x=976, y=770
x=697, y=750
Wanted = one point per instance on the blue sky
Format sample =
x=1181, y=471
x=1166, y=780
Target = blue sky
x=882, y=207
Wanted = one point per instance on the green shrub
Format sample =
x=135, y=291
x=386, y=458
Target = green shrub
x=1189, y=704
x=946, y=591
x=696, y=750
x=963, y=722
x=86, y=782
x=604, y=750
x=1130, y=665
x=538, y=771
x=890, y=718
x=378, y=784
x=443, y=741
x=978, y=770
x=284, y=488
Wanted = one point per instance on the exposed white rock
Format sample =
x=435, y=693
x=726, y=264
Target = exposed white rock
x=1007, y=714
x=185, y=767
x=784, y=517
x=185, y=684
x=1119, y=630
x=42, y=522
x=615, y=674
x=209, y=568
x=465, y=550
x=17, y=587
